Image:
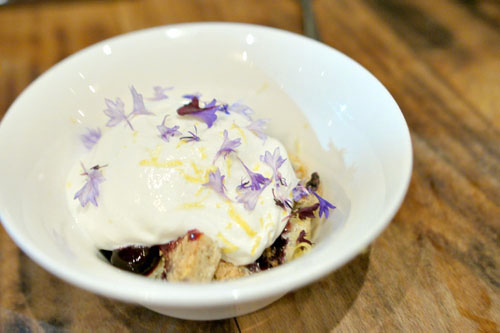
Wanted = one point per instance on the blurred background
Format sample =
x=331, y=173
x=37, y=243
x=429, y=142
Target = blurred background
x=434, y=269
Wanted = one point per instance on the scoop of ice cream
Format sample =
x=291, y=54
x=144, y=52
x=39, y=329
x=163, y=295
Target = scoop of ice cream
x=155, y=188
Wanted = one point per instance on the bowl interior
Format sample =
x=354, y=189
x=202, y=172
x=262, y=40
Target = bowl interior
x=325, y=108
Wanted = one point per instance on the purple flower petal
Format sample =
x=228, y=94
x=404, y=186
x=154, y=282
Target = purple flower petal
x=324, y=206
x=116, y=113
x=139, y=107
x=166, y=132
x=299, y=192
x=258, y=127
x=227, y=146
x=192, y=137
x=90, y=190
x=212, y=103
x=224, y=108
x=159, y=93
x=275, y=161
x=206, y=114
x=249, y=197
x=91, y=138
x=241, y=109
x=256, y=179
x=216, y=182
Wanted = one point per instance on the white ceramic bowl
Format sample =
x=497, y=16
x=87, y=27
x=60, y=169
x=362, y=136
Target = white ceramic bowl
x=349, y=126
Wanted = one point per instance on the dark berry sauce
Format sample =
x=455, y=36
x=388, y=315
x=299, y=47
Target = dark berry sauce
x=272, y=257
x=135, y=259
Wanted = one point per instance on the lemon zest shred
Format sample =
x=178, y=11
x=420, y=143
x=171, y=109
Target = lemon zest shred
x=239, y=129
x=195, y=168
x=233, y=214
x=203, y=152
x=230, y=246
x=189, y=178
x=192, y=205
x=255, y=245
x=200, y=190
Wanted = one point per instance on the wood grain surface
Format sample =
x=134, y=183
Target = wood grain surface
x=435, y=268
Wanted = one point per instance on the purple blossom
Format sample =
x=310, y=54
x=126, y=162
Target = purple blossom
x=159, y=93
x=258, y=127
x=91, y=138
x=275, y=161
x=139, y=107
x=227, y=146
x=299, y=192
x=116, y=113
x=324, y=206
x=241, y=109
x=166, y=132
x=216, y=182
x=256, y=179
x=90, y=190
x=192, y=137
x=116, y=110
x=249, y=197
x=206, y=114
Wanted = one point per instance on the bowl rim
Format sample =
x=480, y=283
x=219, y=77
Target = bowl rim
x=181, y=295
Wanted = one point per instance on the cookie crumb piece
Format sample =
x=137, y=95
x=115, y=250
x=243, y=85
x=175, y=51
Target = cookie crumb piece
x=228, y=271
x=193, y=260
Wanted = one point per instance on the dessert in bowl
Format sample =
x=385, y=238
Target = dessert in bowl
x=194, y=193
x=325, y=109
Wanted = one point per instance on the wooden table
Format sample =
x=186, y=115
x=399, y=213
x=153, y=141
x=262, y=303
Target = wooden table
x=435, y=268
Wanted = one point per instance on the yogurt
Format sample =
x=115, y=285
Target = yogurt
x=153, y=190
